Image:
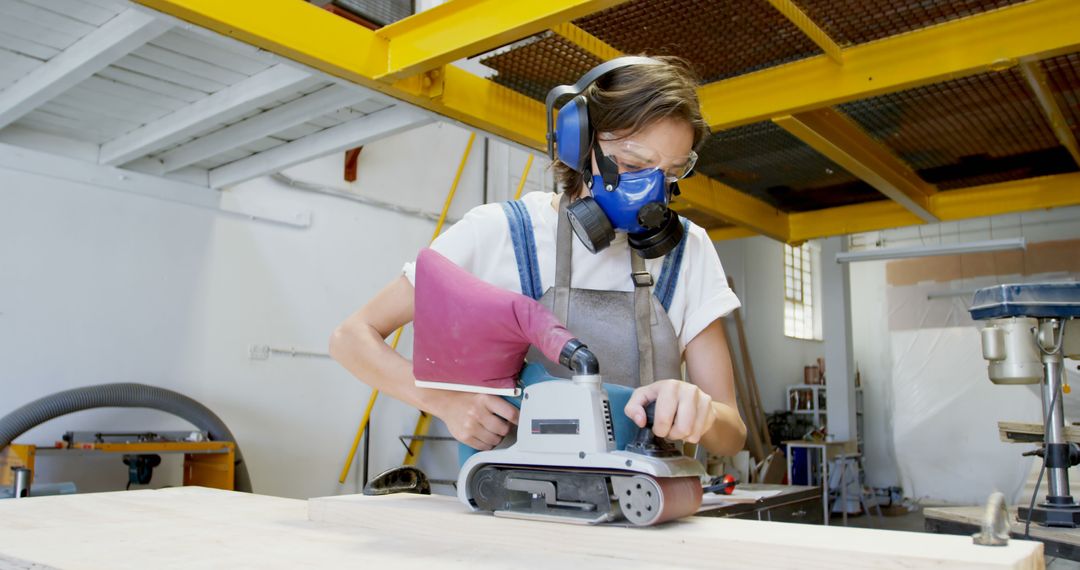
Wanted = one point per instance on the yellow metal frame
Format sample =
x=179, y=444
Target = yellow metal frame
x=408, y=60
x=989, y=200
x=796, y=16
x=724, y=202
x=588, y=42
x=462, y=28
x=840, y=140
x=976, y=44
x=15, y=455
x=206, y=463
x=1040, y=86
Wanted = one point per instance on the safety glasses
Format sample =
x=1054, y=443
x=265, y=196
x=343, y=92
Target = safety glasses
x=632, y=156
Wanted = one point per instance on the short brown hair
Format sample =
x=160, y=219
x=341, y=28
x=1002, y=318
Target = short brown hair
x=634, y=97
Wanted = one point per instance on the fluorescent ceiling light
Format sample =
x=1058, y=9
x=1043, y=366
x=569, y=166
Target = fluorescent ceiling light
x=931, y=250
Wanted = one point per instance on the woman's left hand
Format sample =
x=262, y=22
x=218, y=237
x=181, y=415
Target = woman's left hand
x=683, y=411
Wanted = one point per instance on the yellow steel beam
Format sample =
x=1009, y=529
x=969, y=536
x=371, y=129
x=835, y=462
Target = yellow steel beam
x=724, y=202
x=463, y=28
x=849, y=220
x=796, y=16
x=1007, y=197
x=296, y=30
x=843, y=142
x=987, y=41
x=731, y=232
x=1039, y=84
x=588, y=42
x=989, y=200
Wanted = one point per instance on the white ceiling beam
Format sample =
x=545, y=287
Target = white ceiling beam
x=90, y=54
x=346, y=135
x=96, y=176
x=277, y=119
x=221, y=107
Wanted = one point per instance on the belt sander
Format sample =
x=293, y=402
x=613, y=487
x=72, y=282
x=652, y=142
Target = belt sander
x=564, y=465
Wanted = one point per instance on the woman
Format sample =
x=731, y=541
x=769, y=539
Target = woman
x=637, y=115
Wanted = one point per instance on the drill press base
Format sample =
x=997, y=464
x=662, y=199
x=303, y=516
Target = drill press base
x=1052, y=515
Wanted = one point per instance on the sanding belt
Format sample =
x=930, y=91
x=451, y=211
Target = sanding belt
x=681, y=495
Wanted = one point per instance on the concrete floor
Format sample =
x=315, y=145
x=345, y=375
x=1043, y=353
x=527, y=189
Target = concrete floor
x=915, y=522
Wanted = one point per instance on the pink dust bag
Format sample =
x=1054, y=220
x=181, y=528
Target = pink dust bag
x=472, y=336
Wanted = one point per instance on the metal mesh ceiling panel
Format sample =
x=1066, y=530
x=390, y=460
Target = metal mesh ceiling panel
x=534, y=66
x=721, y=38
x=859, y=21
x=766, y=161
x=971, y=131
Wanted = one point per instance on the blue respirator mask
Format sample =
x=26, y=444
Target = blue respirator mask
x=634, y=201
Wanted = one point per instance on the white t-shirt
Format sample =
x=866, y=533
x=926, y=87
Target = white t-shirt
x=481, y=244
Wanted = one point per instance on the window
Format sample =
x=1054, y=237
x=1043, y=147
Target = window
x=802, y=319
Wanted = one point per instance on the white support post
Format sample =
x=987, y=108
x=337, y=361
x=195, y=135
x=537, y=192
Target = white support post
x=223, y=106
x=90, y=54
x=278, y=119
x=346, y=135
x=836, y=330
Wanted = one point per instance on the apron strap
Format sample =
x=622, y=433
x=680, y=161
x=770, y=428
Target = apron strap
x=564, y=247
x=642, y=285
x=669, y=274
x=521, y=235
x=643, y=317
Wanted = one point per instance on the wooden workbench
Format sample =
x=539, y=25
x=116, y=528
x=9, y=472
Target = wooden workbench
x=1060, y=542
x=204, y=528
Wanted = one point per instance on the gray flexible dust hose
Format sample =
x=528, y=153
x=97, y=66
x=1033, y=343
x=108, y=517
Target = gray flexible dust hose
x=59, y=404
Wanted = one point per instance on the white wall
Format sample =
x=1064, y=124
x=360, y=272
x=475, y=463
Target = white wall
x=98, y=286
x=757, y=266
x=972, y=448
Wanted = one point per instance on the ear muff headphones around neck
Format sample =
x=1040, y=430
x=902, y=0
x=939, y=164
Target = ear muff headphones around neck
x=635, y=202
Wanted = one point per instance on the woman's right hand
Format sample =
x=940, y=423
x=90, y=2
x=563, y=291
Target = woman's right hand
x=477, y=420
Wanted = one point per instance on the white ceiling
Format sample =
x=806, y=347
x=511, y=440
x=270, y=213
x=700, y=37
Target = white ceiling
x=147, y=93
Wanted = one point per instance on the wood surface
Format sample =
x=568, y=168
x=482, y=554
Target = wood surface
x=441, y=524
x=974, y=516
x=194, y=527
x=1014, y=432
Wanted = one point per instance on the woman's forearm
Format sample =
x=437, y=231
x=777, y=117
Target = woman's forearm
x=361, y=350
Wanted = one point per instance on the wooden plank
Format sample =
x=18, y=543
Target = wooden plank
x=436, y=523
x=221, y=107
x=341, y=137
x=94, y=103
x=297, y=132
x=63, y=116
x=29, y=48
x=215, y=54
x=130, y=94
x=742, y=399
x=173, y=75
x=974, y=515
x=223, y=529
x=86, y=57
x=1019, y=432
x=52, y=20
x=14, y=66
x=77, y=9
x=28, y=30
x=35, y=122
x=258, y=126
x=190, y=65
x=151, y=84
x=751, y=380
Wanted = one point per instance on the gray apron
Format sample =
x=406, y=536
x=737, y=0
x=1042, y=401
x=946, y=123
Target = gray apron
x=602, y=320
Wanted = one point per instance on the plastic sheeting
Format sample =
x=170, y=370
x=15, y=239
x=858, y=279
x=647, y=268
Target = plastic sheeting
x=945, y=414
